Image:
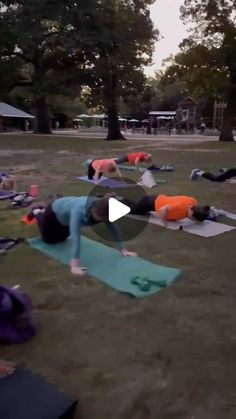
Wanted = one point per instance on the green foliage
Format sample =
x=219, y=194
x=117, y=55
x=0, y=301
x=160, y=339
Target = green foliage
x=124, y=42
x=66, y=105
x=57, y=46
x=215, y=30
x=201, y=72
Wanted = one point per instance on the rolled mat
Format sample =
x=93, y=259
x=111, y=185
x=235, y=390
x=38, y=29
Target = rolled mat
x=109, y=266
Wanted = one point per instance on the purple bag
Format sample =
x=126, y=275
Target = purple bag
x=15, y=316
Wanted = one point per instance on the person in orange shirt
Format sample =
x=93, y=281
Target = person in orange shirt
x=98, y=167
x=142, y=157
x=136, y=158
x=172, y=208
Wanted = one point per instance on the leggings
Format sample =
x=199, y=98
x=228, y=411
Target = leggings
x=228, y=174
x=50, y=229
x=144, y=206
x=122, y=160
x=91, y=172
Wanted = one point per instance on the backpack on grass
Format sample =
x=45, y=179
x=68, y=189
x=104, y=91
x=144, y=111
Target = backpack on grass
x=15, y=316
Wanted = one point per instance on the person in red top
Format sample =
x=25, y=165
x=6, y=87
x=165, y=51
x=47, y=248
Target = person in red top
x=172, y=208
x=143, y=157
x=135, y=158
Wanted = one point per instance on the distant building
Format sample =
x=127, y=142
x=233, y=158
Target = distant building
x=13, y=119
x=188, y=114
x=162, y=115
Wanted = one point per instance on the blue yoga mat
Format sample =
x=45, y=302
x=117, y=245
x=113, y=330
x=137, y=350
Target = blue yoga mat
x=6, y=195
x=107, y=182
x=107, y=265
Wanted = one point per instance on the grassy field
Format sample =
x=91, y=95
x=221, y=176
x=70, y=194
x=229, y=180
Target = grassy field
x=169, y=356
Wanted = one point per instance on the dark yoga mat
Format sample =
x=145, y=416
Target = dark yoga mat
x=24, y=395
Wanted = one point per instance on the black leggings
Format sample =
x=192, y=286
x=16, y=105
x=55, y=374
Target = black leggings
x=122, y=160
x=228, y=174
x=50, y=229
x=91, y=171
x=144, y=206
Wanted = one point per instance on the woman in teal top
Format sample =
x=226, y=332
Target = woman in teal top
x=66, y=216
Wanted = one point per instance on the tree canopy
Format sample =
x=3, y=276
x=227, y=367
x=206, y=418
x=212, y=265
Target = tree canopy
x=215, y=30
x=56, y=46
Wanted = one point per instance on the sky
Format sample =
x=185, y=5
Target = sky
x=166, y=16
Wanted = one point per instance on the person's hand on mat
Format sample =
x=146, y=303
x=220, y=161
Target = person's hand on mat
x=77, y=270
x=6, y=368
x=127, y=253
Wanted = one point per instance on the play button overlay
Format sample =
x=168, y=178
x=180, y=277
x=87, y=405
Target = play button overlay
x=120, y=204
x=117, y=210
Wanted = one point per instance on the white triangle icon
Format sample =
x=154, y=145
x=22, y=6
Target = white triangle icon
x=117, y=210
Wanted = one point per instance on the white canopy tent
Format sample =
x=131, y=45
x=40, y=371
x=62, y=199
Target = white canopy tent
x=8, y=111
x=83, y=116
x=133, y=120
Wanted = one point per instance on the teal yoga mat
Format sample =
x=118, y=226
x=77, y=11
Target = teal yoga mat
x=107, y=265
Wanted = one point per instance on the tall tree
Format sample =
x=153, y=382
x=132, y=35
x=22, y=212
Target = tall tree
x=216, y=28
x=39, y=52
x=124, y=42
x=61, y=44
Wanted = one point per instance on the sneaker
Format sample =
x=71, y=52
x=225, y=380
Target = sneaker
x=223, y=169
x=168, y=168
x=194, y=174
x=35, y=209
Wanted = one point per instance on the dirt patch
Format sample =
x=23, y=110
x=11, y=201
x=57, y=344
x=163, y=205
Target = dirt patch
x=52, y=178
x=65, y=153
x=8, y=152
x=24, y=168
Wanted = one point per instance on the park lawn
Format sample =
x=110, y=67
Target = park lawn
x=168, y=356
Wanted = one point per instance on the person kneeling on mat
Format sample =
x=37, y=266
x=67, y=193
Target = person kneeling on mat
x=171, y=208
x=98, y=167
x=66, y=216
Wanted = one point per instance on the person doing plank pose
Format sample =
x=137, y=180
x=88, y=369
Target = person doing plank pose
x=171, y=208
x=141, y=157
x=222, y=177
x=135, y=158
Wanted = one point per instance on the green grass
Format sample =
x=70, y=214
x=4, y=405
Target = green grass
x=170, y=356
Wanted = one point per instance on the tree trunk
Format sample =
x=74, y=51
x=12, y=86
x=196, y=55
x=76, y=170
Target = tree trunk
x=110, y=99
x=113, y=124
x=230, y=112
x=228, y=121
x=43, y=117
